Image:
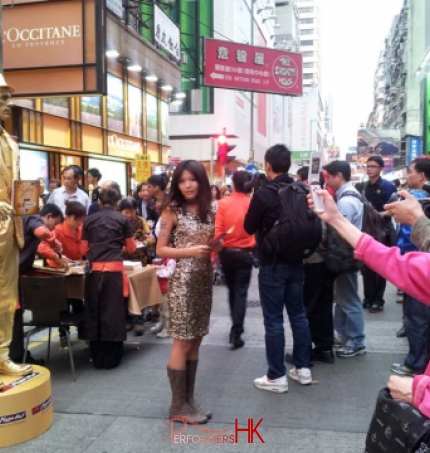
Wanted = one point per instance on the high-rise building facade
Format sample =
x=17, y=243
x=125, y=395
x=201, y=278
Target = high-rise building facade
x=309, y=41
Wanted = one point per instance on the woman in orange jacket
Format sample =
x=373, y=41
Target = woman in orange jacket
x=69, y=234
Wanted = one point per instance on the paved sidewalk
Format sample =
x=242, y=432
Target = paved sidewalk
x=125, y=410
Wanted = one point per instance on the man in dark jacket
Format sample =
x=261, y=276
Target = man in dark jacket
x=280, y=283
x=378, y=192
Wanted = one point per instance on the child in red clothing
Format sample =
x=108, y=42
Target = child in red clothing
x=164, y=269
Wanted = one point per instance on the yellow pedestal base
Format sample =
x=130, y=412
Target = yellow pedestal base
x=25, y=407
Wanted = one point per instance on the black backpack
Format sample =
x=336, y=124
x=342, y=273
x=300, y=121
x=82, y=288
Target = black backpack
x=297, y=232
x=340, y=254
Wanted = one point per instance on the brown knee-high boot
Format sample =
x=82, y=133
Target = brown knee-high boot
x=179, y=405
x=191, y=380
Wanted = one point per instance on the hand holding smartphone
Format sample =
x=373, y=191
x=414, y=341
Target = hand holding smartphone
x=314, y=181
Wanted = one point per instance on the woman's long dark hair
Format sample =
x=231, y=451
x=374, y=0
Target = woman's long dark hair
x=159, y=180
x=204, y=209
x=218, y=195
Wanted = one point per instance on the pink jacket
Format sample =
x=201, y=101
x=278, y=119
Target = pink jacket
x=410, y=273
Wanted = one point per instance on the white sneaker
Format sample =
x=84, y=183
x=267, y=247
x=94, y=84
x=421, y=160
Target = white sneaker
x=163, y=334
x=279, y=385
x=302, y=375
x=157, y=328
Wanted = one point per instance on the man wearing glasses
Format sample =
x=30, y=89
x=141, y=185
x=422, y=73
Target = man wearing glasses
x=377, y=191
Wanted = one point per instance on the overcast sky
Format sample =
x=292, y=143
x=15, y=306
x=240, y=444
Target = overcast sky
x=352, y=35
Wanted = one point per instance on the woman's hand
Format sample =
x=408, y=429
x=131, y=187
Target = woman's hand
x=200, y=251
x=400, y=389
x=217, y=247
x=330, y=213
x=407, y=211
x=63, y=261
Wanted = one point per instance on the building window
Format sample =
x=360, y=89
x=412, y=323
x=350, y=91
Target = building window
x=151, y=118
x=115, y=104
x=306, y=10
x=91, y=110
x=57, y=106
x=307, y=43
x=306, y=21
x=135, y=111
x=308, y=65
x=307, y=32
x=308, y=54
x=308, y=76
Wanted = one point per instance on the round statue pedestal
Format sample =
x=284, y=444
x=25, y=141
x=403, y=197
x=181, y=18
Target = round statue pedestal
x=25, y=407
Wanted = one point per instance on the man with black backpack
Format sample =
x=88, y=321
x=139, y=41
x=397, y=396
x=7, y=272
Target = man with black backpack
x=284, y=228
x=349, y=317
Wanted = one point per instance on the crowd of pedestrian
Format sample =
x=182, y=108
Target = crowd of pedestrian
x=185, y=225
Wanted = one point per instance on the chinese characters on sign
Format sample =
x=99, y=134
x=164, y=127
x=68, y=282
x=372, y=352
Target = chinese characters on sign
x=251, y=68
x=143, y=168
x=166, y=33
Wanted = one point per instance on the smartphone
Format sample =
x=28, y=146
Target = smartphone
x=314, y=180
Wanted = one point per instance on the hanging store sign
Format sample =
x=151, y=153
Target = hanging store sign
x=57, y=43
x=252, y=68
x=414, y=145
x=122, y=146
x=143, y=168
x=166, y=33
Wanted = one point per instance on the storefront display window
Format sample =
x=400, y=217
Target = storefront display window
x=91, y=110
x=115, y=104
x=152, y=118
x=111, y=171
x=33, y=165
x=134, y=111
x=57, y=106
x=69, y=160
x=164, y=123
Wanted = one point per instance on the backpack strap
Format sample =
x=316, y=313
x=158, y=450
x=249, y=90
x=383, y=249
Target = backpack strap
x=351, y=193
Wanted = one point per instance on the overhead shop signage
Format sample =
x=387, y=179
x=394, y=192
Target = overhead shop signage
x=123, y=146
x=301, y=155
x=166, y=33
x=252, y=68
x=56, y=43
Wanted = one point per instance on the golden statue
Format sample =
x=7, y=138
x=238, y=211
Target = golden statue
x=11, y=238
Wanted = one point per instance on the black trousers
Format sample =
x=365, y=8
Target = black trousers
x=318, y=301
x=374, y=287
x=237, y=267
x=105, y=315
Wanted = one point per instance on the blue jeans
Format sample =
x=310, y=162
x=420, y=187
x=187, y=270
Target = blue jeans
x=417, y=327
x=348, y=314
x=279, y=286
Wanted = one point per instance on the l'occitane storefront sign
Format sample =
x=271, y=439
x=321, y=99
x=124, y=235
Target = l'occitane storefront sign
x=30, y=30
x=123, y=146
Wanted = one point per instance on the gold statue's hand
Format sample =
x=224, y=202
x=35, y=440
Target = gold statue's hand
x=5, y=211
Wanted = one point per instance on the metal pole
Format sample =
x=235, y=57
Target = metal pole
x=251, y=133
x=211, y=168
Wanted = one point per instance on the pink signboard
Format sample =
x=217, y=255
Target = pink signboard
x=252, y=68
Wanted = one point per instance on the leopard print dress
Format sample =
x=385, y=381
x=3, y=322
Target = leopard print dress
x=190, y=288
